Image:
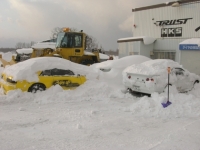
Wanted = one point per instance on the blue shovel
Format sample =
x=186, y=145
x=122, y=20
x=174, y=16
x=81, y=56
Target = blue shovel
x=168, y=102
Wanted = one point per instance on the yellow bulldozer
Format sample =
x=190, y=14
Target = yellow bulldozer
x=69, y=45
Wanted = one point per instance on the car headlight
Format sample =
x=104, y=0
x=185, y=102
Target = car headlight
x=9, y=79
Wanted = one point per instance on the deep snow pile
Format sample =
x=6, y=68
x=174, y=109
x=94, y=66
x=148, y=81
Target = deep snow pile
x=116, y=68
x=97, y=115
x=121, y=63
x=28, y=69
x=104, y=85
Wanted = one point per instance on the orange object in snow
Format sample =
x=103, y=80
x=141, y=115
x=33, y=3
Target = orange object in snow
x=169, y=70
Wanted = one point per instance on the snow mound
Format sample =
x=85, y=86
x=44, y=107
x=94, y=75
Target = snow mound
x=122, y=62
x=152, y=67
x=183, y=105
x=27, y=70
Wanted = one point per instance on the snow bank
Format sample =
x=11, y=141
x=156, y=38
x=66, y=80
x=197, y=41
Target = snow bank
x=104, y=88
x=183, y=105
x=115, y=68
x=121, y=63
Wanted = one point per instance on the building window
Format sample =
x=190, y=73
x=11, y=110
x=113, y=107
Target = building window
x=163, y=55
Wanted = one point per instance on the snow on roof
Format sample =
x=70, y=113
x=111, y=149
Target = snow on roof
x=42, y=45
x=26, y=70
x=191, y=41
x=146, y=40
x=152, y=67
x=24, y=51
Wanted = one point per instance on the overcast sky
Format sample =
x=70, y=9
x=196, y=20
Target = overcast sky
x=33, y=20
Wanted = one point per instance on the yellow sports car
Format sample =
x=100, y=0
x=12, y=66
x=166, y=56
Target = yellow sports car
x=65, y=78
x=30, y=79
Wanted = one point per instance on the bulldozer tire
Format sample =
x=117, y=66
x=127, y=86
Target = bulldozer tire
x=37, y=87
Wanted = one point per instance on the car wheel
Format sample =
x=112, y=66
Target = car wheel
x=37, y=87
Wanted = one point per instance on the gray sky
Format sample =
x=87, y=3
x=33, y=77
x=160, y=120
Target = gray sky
x=33, y=20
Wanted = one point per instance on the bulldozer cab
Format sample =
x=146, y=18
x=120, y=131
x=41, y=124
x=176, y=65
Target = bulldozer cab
x=71, y=46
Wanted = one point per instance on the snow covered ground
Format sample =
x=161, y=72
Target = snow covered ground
x=98, y=116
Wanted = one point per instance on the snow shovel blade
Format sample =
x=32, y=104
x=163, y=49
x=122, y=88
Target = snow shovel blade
x=166, y=104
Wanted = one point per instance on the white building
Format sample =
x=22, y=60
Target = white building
x=159, y=31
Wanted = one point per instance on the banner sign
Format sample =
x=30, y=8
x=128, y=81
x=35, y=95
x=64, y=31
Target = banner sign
x=171, y=32
x=173, y=22
x=189, y=47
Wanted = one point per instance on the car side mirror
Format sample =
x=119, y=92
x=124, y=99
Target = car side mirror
x=78, y=75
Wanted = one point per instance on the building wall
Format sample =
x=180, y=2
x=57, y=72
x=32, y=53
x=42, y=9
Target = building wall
x=169, y=45
x=145, y=19
x=129, y=48
x=146, y=49
x=170, y=26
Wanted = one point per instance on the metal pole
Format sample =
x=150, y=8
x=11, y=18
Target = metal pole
x=168, y=87
x=168, y=102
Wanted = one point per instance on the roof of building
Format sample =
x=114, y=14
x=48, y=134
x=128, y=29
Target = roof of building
x=145, y=39
x=163, y=5
x=191, y=41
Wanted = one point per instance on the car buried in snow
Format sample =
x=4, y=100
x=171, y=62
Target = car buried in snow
x=120, y=64
x=152, y=76
x=38, y=74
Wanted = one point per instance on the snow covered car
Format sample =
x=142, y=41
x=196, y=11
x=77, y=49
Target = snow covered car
x=152, y=76
x=38, y=74
x=111, y=70
x=121, y=63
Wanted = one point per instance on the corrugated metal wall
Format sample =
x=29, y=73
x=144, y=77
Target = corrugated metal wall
x=128, y=48
x=170, y=45
x=145, y=19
